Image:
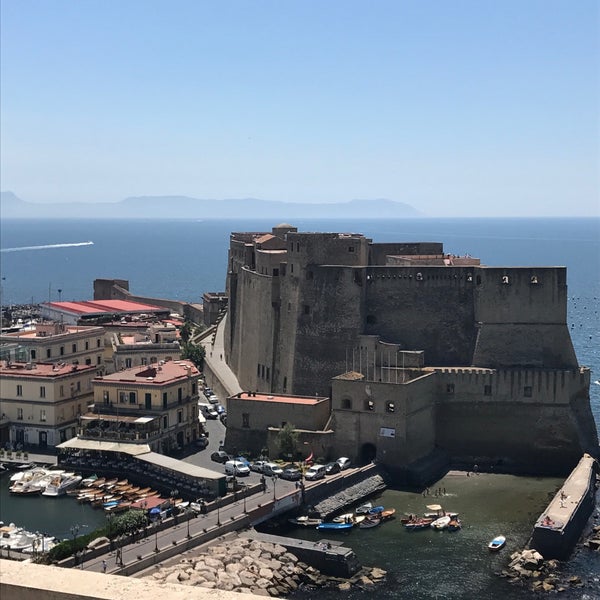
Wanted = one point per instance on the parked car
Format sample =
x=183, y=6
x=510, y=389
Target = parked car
x=332, y=468
x=236, y=467
x=272, y=470
x=208, y=392
x=220, y=456
x=257, y=466
x=201, y=442
x=213, y=399
x=223, y=418
x=315, y=472
x=219, y=408
x=344, y=462
x=291, y=474
x=208, y=411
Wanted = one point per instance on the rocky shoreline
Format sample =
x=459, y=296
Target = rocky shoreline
x=257, y=567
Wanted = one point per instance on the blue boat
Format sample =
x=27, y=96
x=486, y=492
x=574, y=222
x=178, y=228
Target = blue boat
x=335, y=526
x=376, y=510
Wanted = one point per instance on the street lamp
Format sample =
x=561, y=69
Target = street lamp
x=218, y=513
x=244, y=492
x=188, y=512
x=156, y=536
x=274, y=478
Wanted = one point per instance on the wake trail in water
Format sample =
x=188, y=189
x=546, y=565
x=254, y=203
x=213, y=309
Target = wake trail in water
x=47, y=247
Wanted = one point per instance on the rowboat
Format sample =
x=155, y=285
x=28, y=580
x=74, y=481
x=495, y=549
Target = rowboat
x=497, y=543
x=335, y=526
x=375, y=510
x=364, y=508
x=368, y=523
x=441, y=523
x=388, y=513
x=418, y=523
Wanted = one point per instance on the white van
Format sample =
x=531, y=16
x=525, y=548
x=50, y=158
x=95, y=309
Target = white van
x=315, y=472
x=236, y=467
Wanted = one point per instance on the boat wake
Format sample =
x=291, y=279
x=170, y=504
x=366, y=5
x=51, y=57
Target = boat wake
x=47, y=246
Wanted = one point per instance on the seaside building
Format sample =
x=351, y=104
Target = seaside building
x=40, y=403
x=429, y=358
x=131, y=345
x=54, y=341
x=154, y=405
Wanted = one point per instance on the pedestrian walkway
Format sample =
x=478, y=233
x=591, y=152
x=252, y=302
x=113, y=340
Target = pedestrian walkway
x=215, y=360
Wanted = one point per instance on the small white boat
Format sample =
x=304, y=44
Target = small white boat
x=60, y=484
x=363, y=509
x=441, y=523
x=498, y=542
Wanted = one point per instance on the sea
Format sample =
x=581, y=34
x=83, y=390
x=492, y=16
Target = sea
x=58, y=259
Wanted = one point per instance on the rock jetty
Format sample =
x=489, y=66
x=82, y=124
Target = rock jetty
x=352, y=495
x=256, y=567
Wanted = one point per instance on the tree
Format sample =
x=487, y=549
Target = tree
x=287, y=439
x=194, y=353
x=186, y=332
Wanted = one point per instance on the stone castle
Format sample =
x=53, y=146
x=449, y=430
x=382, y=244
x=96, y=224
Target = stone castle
x=428, y=357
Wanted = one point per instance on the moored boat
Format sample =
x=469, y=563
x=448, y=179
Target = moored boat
x=454, y=524
x=335, y=526
x=364, y=508
x=305, y=521
x=418, y=523
x=440, y=523
x=497, y=543
x=388, y=513
x=369, y=523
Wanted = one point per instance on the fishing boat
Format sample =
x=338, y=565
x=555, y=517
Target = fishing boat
x=497, y=543
x=418, y=523
x=441, y=523
x=376, y=510
x=335, y=526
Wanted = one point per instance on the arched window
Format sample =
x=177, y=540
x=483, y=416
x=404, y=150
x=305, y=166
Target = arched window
x=346, y=403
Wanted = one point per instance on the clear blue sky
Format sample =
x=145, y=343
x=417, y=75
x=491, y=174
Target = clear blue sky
x=457, y=107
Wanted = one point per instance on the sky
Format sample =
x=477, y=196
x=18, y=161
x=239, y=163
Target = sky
x=456, y=107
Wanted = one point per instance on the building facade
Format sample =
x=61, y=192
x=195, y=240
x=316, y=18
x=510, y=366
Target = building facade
x=42, y=402
x=154, y=405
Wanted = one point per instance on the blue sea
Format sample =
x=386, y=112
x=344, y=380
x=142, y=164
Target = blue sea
x=59, y=259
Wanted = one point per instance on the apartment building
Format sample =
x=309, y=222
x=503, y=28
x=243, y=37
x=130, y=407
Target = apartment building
x=155, y=405
x=40, y=403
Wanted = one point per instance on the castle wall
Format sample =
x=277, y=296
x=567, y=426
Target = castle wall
x=425, y=308
x=378, y=253
x=518, y=420
x=522, y=314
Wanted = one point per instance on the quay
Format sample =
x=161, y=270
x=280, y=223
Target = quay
x=560, y=526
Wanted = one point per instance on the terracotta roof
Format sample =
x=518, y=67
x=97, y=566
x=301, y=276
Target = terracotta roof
x=259, y=397
x=105, y=306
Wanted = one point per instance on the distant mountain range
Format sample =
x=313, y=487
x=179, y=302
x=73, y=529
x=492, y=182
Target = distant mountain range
x=181, y=207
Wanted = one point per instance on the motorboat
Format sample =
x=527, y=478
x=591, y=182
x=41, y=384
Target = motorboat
x=305, y=521
x=497, y=543
x=17, y=539
x=61, y=483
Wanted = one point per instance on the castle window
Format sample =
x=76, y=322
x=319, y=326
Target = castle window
x=505, y=280
x=262, y=371
x=527, y=391
x=33, y=355
x=275, y=272
x=450, y=388
x=297, y=246
x=48, y=352
x=62, y=351
x=346, y=403
x=487, y=390
x=258, y=370
x=369, y=405
x=306, y=309
x=19, y=390
x=390, y=407
x=285, y=384
x=351, y=249
x=88, y=361
x=87, y=345
x=291, y=267
x=42, y=391
x=98, y=343
x=246, y=420
x=371, y=320
x=419, y=277
x=289, y=306
x=478, y=279
x=268, y=373
x=74, y=348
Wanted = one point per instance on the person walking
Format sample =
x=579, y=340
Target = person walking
x=103, y=566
